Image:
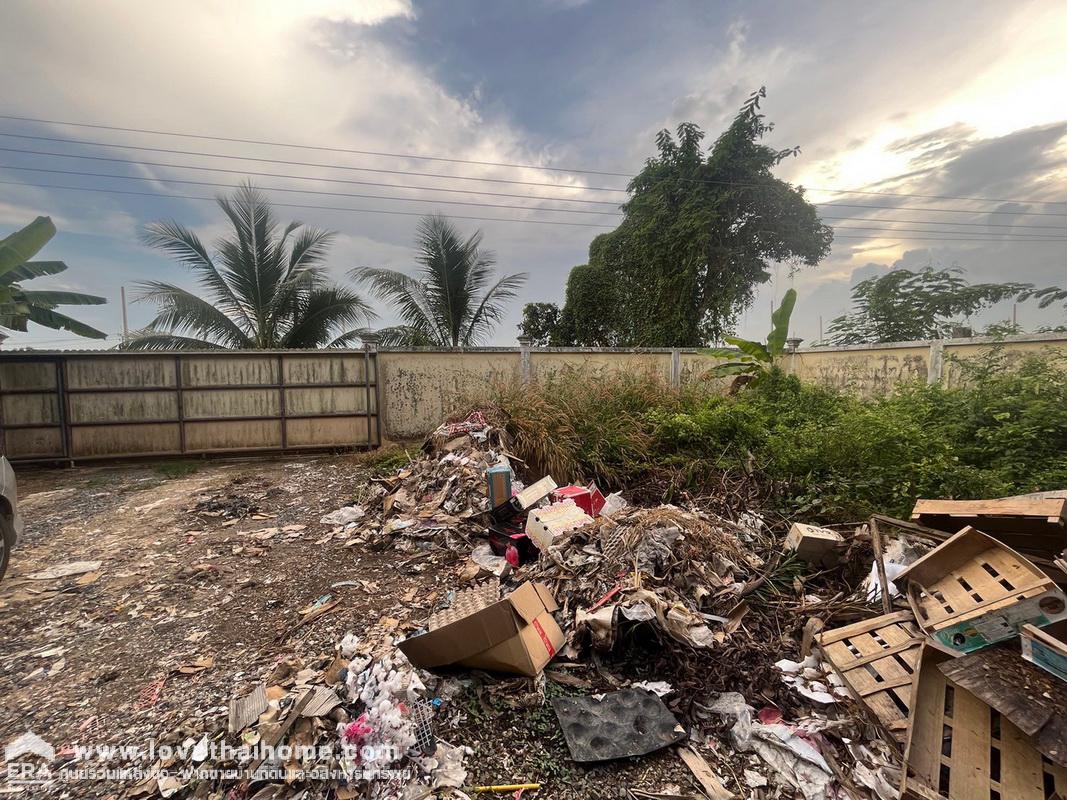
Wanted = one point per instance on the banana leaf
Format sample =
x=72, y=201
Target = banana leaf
x=23, y=245
x=57, y=321
x=780, y=324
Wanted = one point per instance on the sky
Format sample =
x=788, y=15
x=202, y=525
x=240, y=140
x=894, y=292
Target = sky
x=910, y=102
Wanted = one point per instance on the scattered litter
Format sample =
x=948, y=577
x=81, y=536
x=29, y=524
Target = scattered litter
x=781, y=746
x=345, y=515
x=65, y=570
x=658, y=688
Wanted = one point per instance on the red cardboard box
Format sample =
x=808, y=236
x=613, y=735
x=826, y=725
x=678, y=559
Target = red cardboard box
x=588, y=498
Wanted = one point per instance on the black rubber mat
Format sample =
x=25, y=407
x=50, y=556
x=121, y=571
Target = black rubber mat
x=631, y=722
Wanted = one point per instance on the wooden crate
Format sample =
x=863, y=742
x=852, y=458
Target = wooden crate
x=1037, y=526
x=1046, y=648
x=973, y=591
x=961, y=749
x=1033, y=700
x=876, y=659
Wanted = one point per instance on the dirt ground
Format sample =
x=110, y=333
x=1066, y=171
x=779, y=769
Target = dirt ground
x=204, y=568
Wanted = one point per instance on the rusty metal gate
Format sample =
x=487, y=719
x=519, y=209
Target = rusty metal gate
x=99, y=405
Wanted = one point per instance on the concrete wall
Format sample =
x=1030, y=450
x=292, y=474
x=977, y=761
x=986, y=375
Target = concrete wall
x=84, y=405
x=421, y=387
x=873, y=370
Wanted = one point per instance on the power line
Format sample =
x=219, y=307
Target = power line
x=133, y=162
x=992, y=236
x=307, y=191
x=300, y=205
x=949, y=222
x=869, y=237
x=459, y=161
x=947, y=210
x=171, y=151
x=347, y=181
x=998, y=238
x=320, y=148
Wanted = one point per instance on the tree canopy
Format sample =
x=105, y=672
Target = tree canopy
x=699, y=235
x=455, y=300
x=263, y=287
x=904, y=306
x=19, y=306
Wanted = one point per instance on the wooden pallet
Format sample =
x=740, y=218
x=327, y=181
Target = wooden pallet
x=973, y=591
x=1036, y=526
x=876, y=659
x=961, y=749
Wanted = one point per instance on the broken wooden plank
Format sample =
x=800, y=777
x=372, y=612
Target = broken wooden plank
x=705, y=775
x=246, y=710
x=1034, y=701
x=1036, y=526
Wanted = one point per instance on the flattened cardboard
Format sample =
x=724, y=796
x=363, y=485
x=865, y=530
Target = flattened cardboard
x=515, y=634
x=973, y=591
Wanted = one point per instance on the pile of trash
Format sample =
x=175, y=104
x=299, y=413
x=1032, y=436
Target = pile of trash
x=962, y=616
x=680, y=571
x=359, y=723
x=433, y=501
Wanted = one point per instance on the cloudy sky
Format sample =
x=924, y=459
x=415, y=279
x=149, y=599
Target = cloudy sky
x=898, y=99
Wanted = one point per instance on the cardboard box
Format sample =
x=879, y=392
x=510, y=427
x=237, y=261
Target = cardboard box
x=958, y=748
x=546, y=523
x=973, y=591
x=814, y=545
x=498, y=480
x=588, y=498
x=1046, y=647
x=482, y=631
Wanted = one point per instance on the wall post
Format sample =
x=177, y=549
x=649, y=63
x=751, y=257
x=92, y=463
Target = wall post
x=936, y=361
x=524, y=359
x=676, y=368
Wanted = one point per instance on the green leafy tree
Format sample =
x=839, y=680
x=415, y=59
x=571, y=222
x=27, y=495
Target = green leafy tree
x=455, y=300
x=755, y=358
x=19, y=306
x=540, y=323
x=903, y=306
x=700, y=233
x=263, y=287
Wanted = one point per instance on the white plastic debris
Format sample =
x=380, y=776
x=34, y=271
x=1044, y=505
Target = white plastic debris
x=792, y=757
x=613, y=504
x=485, y=558
x=812, y=679
x=345, y=515
x=659, y=688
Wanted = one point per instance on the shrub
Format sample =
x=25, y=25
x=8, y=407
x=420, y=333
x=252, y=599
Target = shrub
x=812, y=450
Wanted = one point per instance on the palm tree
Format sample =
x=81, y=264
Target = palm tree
x=19, y=306
x=260, y=289
x=454, y=300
